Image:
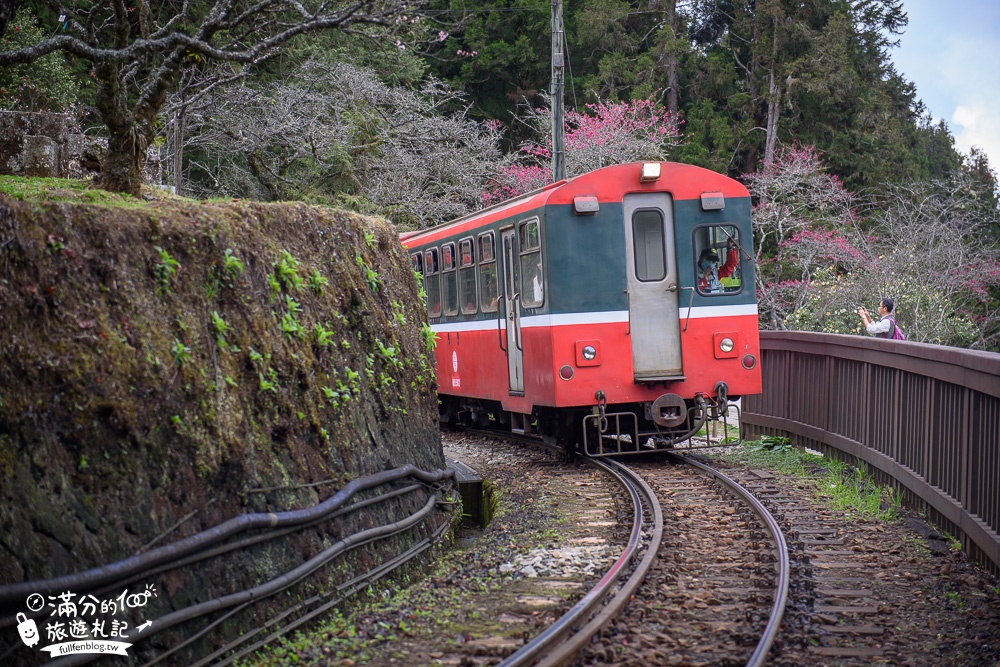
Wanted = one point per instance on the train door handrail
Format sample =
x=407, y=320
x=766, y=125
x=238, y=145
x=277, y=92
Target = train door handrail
x=501, y=298
x=687, y=318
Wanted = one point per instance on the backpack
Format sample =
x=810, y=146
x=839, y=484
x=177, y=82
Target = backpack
x=895, y=333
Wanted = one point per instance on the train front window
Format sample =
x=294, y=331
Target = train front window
x=718, y=260
x=432, y=284
x=532, y=285
x=487, y=272
x=449, y=279
x=650, y=251
x=467, y=276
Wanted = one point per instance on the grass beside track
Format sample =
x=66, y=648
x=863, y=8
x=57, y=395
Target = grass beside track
x=844, y=487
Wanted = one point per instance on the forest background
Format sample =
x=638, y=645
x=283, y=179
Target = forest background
x=422, y=112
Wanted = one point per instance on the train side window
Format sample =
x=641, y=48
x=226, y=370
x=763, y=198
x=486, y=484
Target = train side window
x=467, y=276
x=488, y=272
x=532, y=283
x=418, y=263
x=718, y=261
x=449, y=279
x=432, y=283
x=650, y=251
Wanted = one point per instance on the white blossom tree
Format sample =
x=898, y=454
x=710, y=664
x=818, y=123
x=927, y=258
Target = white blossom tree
x=803, y=220
x=335, y=132
x=822, y=253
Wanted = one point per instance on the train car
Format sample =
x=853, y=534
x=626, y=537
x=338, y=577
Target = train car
x=614, y=312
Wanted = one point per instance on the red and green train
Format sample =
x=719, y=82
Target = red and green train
x=614, y=312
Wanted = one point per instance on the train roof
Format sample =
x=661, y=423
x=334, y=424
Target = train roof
x=607, y=185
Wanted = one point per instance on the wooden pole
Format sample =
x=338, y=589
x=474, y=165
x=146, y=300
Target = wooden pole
x=556, y=92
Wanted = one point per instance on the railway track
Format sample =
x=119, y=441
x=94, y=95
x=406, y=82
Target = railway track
x=836, y=617
x=552, y=581
x=739, y=523
x=716, y=592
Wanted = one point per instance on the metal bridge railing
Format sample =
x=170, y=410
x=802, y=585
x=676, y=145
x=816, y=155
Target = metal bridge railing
x=923, y=418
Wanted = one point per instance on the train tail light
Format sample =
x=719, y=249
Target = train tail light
x=749, y=362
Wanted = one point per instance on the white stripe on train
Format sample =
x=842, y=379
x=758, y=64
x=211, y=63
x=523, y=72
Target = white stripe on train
x=604, y=317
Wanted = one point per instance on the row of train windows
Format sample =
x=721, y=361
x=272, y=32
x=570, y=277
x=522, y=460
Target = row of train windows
x=458, y=279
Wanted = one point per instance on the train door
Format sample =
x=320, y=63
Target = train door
x=511, y=296
x=654, y=320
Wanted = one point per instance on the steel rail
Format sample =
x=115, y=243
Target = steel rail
x=759, y=655
x=560, y=642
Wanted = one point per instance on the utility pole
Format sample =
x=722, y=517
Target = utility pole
x=556, y=93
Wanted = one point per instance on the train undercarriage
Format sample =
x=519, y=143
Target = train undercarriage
x=603, y=430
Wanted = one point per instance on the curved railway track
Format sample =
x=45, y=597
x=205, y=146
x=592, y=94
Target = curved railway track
x=624, y=582
x=575, y=571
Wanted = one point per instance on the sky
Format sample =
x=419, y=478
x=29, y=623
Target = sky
x=951, y=52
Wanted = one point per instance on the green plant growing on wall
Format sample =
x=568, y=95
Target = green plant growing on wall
x=398, y=313
x=266, y=385
x=334, y=396
x=370, y=275
x=353, y=382
x=231, y=264
x=287, y=271
x=421, y=293
x=211, y=288
x=317, y=281
x=429, y=338
x=273, y=283
x=291, y=326
x=389, y=354
x=322, y=335
x=181, y=353
x=221, y=329
x=164, y=270
x=258, y=359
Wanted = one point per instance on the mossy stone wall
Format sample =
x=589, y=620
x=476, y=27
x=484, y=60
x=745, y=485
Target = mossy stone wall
x=163, y=363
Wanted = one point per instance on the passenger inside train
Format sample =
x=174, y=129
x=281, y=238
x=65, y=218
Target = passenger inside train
x=715, y=276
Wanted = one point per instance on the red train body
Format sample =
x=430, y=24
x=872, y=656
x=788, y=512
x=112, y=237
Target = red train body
x=614, y=311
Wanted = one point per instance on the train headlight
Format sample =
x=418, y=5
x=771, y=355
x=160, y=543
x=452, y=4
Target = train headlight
x=588, y=352
x=726, y=343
